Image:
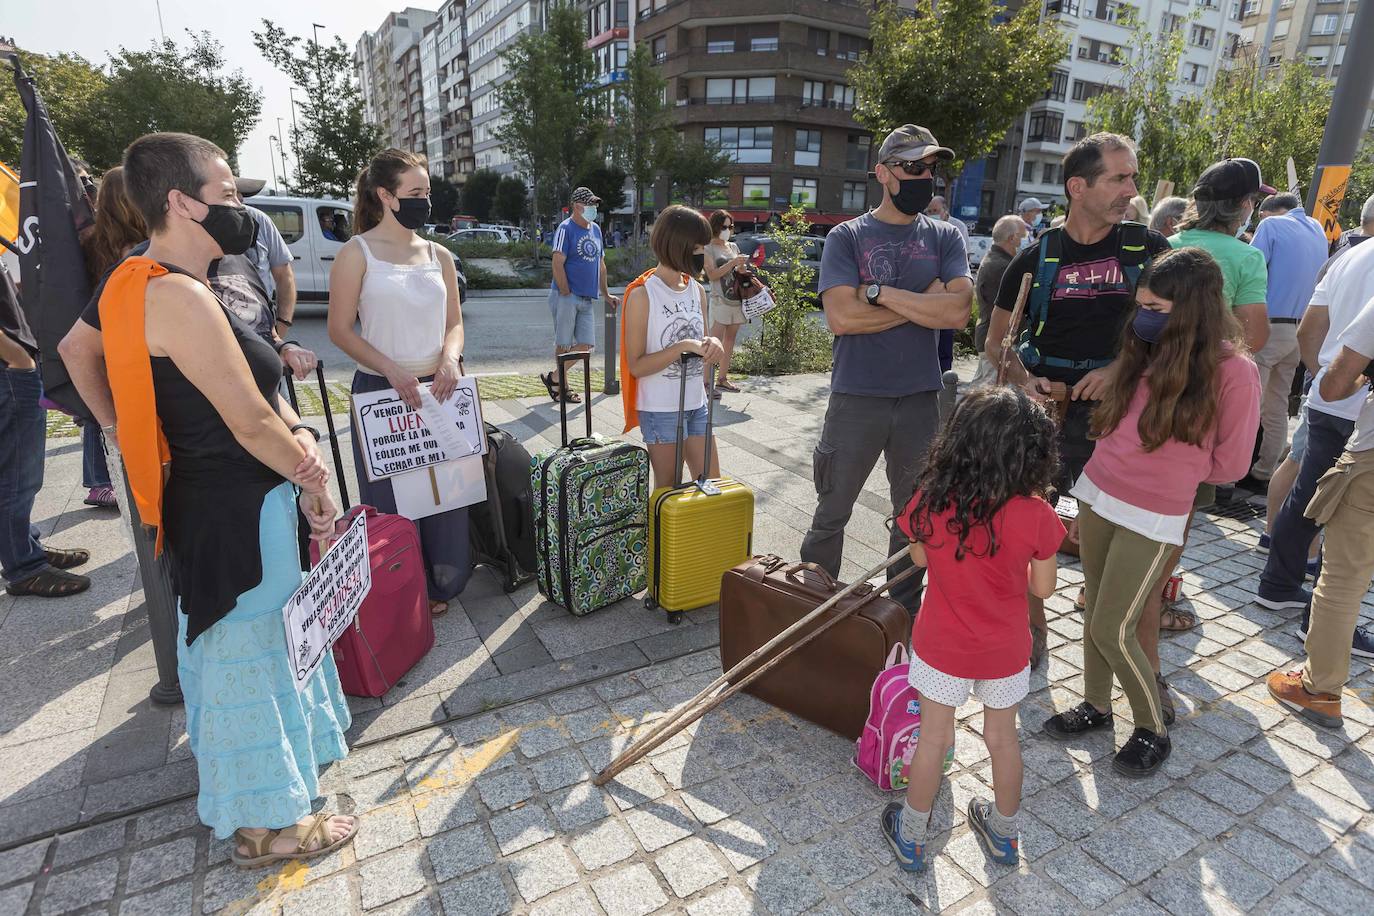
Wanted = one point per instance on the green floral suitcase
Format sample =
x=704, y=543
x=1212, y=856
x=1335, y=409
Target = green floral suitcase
x=591, y=499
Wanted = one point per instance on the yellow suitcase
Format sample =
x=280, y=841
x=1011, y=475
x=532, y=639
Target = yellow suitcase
x=698, y=531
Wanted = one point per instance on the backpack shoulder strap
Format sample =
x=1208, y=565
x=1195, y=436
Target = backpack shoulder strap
x=1135, y=252
x=1049, y=248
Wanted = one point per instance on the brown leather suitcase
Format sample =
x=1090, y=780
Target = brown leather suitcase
x=828, y=682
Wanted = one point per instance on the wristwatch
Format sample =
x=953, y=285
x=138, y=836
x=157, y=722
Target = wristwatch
x=310, y=429
x=871, y=293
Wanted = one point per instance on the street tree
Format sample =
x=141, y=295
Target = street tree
x=791, y=338
x=552, y=123
x=71, y=87
x=169, y=87
x=332, y=141
x=443, y=199
x=959, y=72
x=512, y=200
x=606, y=182
x=479, y=194
x=642, y=132
x=694, y=169
x=1172, y=137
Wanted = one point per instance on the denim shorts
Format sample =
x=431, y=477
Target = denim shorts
x=1298, y=448
x=574, y=319
x=660, y=426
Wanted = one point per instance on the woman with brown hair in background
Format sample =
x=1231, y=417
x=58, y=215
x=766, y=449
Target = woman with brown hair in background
x=403, y=292
x=118, y=228
x=726, y=315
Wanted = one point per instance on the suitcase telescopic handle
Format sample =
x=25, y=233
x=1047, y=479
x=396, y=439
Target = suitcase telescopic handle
x=344, y=503
x=678, y=441
x=585, y=358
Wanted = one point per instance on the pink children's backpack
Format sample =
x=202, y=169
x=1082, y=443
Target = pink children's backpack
x=885, y=748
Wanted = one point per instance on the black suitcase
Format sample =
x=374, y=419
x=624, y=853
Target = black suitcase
x=502, y=528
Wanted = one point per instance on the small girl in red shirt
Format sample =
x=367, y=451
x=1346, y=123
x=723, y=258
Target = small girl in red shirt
x=978, y=522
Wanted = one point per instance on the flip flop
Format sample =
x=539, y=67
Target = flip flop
x=728, y=386
x=260, y=848
x=438, y=608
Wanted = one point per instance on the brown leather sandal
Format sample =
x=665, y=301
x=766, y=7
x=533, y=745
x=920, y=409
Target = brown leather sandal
x=66, y=558
x=260, y=848
x=50, y=583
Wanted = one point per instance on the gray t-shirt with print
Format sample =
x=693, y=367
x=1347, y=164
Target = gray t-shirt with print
x=901, y=360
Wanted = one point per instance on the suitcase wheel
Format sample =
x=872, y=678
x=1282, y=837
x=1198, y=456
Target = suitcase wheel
x=509, y=586
x=650, y=602
x=675, y=617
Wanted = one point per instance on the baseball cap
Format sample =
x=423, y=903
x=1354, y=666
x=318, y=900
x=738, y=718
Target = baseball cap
x=247, y=187
x=1230, y=179
x=1031, y=203
x=585, y=196
x=912, y=142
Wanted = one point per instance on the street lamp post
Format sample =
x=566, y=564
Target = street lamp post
x=295, y=134
x=1345, y=124
x=281, y=148
x=272, y=159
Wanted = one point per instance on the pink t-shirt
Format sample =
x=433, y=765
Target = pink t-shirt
x=972, y=622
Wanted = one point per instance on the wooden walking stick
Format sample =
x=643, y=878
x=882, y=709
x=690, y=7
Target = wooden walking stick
x=693, y=709
x=1013, y=326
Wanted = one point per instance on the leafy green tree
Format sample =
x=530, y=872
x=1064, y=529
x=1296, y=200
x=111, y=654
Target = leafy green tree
x=169, y=87
x=1168, y=127
x=443, y=199
x=71, y=87
x=512, y=200
x=479, y=194
x=791, y=340
x=552, y=125
x=695, y=169
x=958, y=71
x=642, y=133
x=332, y=141
x=606, y=182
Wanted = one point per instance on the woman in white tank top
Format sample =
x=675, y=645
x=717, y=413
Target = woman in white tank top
x=403, y=293
x=665, y=318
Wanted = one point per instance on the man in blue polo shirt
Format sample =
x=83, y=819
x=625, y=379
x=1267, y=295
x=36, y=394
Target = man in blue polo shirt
x=891, y=279
x=1295, y=248
x=579, y=276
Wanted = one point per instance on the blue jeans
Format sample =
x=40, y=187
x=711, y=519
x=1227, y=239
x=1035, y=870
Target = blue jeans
x=94, y=471
x=23, y=428
x=1292, y=533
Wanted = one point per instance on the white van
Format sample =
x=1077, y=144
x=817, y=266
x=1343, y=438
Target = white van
x=314, y=229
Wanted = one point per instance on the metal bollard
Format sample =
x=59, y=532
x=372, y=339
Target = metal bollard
x=158, y=595
x=611, y=347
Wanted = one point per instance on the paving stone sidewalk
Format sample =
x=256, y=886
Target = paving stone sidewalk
x=473, y=778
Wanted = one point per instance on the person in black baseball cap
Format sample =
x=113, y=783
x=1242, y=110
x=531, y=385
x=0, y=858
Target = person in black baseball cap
x=1231, y=179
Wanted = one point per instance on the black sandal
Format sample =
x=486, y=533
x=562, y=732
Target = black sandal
x=66, y=558
x=549, y=385
x=50, y=583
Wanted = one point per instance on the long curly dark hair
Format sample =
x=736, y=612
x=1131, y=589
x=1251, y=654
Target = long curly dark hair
x=998, y=444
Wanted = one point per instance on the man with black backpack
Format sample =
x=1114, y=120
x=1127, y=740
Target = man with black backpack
x=1083, y=290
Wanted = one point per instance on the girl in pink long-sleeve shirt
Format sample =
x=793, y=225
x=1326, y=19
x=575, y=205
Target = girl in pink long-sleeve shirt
x=1182, y=409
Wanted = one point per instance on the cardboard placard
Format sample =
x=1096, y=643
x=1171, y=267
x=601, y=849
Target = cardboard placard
x=396, y=439
x=328, y=600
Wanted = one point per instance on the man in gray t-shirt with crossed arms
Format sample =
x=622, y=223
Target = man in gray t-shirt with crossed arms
x=891, y=279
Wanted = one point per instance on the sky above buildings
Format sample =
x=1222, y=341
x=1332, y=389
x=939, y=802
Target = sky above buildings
x=92, y=28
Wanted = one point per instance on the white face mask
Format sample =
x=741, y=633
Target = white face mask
x=589, y=214
x=725, y=235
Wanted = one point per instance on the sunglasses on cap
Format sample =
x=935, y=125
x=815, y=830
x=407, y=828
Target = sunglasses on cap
x=912, y=168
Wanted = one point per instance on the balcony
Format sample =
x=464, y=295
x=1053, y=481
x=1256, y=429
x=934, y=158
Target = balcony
x=694, y=13
x=790, y=57
x=766, y=109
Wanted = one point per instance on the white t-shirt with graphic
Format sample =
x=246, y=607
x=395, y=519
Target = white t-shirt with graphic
x=674, y=315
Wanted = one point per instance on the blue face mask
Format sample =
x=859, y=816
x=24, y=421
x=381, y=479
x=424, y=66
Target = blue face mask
x=1149, y=325
x=589, y=214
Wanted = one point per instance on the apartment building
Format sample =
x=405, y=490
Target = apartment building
x=1099, y=42
x=492, y=25
x=767, y=80
x=389, y=70
x=454, y=159
x=1313, y=31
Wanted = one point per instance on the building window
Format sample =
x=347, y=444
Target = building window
x=755, y=193
x=1074, y=131
x=808, y=147
x=660, y=48
x=818, y=41
x=1059, y=86
x=813, y=93
x=1104, y=52
x=993, y=163
x=804, y=192
x=856, y=152
x=720, y=40
x=1251, y=8
x=842, y=96
x=1195, y=74
x=1237, y=10
x=851, y=46
x=1049, y=174
x=1212, y=4
x=1045, y=126
x=743, y=144
x=854, y=196
x=1325, y=24
x=763, y=43
x=1028, y=171
x=1318, y=55
x=1281, y=30
x=1084, y=90
x=726, y=91
x=1202, y=37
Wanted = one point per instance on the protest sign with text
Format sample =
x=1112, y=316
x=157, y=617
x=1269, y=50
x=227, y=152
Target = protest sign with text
x=396, y=438
x=328, y=600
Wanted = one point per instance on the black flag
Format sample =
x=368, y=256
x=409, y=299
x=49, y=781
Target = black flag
x=52, y=270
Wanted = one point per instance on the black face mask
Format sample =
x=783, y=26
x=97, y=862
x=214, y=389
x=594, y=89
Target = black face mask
x=233, y=228
x=698, y=263
x=414, y=212
x=914, y=195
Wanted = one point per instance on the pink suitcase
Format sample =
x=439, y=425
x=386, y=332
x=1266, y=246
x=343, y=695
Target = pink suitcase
x=393, y=629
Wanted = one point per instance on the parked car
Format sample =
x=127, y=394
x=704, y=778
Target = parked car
x=813, y=246
x=514, y=233
x=479, y=235
x=314, y=230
